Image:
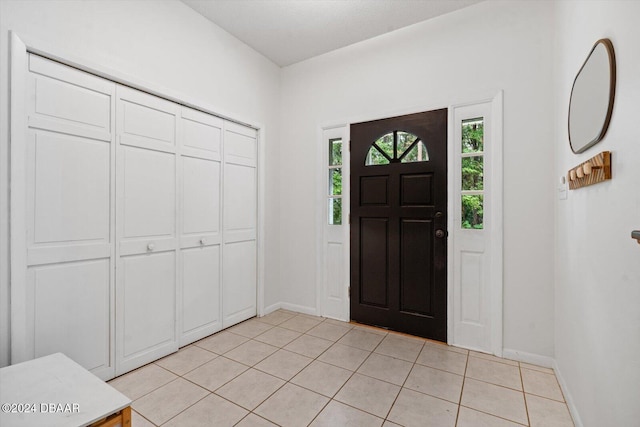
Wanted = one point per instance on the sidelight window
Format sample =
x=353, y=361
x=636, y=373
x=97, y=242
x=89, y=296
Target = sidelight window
x=335, y=181
x=397, y=147
x=472, y=170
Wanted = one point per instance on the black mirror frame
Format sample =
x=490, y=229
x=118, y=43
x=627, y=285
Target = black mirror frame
x=612, y=91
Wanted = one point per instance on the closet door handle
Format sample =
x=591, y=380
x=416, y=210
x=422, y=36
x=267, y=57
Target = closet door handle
x=150, y=247
x=202, y=241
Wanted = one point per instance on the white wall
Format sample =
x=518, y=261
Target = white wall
x=167, y=44
x=459, y=57
x=597, y=333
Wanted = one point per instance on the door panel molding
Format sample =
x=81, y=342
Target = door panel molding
x=476, y=270
x=410, y=298
x=194, y=111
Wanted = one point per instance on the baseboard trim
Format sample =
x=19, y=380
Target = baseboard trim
x=271, y=308
x=567, y=396
x=532, y=358
x=299, y=308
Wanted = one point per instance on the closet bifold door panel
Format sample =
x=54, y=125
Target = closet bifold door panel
x=200, y=158
x=146, y=218
x=133, y=221
x=239, y=283
x=69, y=288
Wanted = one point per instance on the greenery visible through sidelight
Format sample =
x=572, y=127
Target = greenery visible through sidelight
x=335, y=182
x=397, y=147
x=472, y=171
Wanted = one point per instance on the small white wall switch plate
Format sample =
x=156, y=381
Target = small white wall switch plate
x=562, y=188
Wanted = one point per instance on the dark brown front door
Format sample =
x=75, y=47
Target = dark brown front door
x=399, y=223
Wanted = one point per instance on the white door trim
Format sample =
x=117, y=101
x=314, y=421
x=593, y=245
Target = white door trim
x=21, y=45
x=496, y=208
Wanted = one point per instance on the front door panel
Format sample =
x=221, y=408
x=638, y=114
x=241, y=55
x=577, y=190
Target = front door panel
x=399, y=223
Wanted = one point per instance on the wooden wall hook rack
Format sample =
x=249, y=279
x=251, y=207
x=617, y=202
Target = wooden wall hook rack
x=593, y=171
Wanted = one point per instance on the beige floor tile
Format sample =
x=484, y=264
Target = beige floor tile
x=536, y=368
x=276, y=317
x=495, y=400
x=435, y=382
x=419, y=410
x=309, y=346
x=251, y=352
x=250, y=388
x=368, y=394
x=388, y=423
x=493, y=358
x=385, y=368
x=541, y=384
x=185, y=360
x=441, y=358
x=210, y=411
x=284, y=364
x=344, y=356
x=168, y=401
x=362, y=339
x=328, y=331
x=400, y=347
x=216, y=373
x=494, y=373
x=278, y=336
x=337, y=414
x=143, y=380
x=322, y=378
x=221, y=342
x=301, y=323
x=547, y=413
x=292, y=406
x=471, y=418
x=252, y=420
x=140, y=421
x=250, y=328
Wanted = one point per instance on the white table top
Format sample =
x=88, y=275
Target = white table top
x=60, y=381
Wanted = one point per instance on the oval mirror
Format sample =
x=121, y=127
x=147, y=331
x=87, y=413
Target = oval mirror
x=592, y=97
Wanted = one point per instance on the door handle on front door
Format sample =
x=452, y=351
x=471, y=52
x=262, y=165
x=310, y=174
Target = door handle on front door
x=440, y=234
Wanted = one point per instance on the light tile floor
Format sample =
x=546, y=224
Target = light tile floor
x=290, y=369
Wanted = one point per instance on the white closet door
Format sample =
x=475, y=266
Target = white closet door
x=240, y=224
x=146, y=287
x=200, y=236
x=69, y=287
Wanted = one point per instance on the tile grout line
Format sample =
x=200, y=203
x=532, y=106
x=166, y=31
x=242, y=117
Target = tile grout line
x=371, y=352
x=413, y=365
x=203, y=397
x=524, y=396
x=464, y=378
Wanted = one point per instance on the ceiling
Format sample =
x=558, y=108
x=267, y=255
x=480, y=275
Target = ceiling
x=290, y=31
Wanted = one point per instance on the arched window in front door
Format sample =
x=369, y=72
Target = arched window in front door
x=397, y=147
